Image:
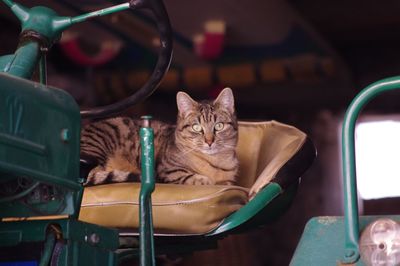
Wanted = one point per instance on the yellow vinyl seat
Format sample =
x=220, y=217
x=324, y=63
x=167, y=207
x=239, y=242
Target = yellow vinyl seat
x=272, y=158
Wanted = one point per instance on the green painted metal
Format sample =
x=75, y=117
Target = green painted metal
x=321, y=242
x=45, y=21
x=23, y=62
x=32, y=119
x=5, y=62
x=102, y=12
x=48, y=249
x=323, y=238
x=8, y=3
x=351, y=253
x=43, y=70
x=42, y=27
x=147, y=253
x=258, y=203
x=81, y=243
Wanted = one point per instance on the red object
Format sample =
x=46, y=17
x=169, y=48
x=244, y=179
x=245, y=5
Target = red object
x=210, y=44
x=107, y=52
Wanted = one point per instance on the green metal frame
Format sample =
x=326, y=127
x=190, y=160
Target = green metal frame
x=348, y=161
x=147, y=254
x=80, y=244
x=256, y=205
x=335, y=240
x=42, y=154
x=322, y=242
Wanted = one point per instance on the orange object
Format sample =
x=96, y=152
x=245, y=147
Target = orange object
x=237, y=75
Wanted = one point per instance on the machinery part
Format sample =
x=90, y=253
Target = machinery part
x=21, y=194
x=48, y=249
x=37, y=38
x=380, y=243
x=147, y=254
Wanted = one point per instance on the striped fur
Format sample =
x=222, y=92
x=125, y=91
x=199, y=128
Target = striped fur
x=198, y=150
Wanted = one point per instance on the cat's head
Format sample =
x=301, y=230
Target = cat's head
x=209, y=127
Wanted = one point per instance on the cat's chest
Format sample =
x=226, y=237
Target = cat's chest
x=219, y=169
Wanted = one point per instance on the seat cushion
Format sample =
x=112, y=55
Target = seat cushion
x=264, y=150
x=177, y=209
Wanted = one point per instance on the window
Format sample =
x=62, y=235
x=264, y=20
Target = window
x=378, y=157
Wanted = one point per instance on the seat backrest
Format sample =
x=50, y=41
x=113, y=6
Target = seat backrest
x=263, y=149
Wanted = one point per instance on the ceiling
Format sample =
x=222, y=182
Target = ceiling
x=314, y=53
x=363, y=32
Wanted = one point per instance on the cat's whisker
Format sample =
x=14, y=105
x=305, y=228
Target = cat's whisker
x=228, y=146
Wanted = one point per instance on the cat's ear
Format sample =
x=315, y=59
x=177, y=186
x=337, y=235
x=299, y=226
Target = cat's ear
x=226, y=100
x=185, y=103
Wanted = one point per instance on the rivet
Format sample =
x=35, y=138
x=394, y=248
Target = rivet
x=65, y=135
x=94, y=239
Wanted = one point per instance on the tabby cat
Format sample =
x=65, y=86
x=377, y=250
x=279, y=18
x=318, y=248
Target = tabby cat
x=198, y=150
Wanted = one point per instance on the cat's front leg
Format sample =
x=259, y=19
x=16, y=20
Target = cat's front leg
x=197, y=179
x=99, y=176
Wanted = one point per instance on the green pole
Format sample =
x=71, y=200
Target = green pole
x=147, y=254
x=348, y=162
x=102, y=12
x=24, y=60
x=19, y=11
x=48, y=249
x=9, y=3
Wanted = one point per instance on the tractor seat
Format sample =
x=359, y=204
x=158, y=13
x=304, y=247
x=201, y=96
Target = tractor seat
x=272, y=158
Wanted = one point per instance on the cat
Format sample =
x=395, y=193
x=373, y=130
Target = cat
x=199, y=150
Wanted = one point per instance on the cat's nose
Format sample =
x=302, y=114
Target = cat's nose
x=209, y=141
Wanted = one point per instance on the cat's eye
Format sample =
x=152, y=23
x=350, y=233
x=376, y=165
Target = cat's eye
x=219, y=126
x=197, y=128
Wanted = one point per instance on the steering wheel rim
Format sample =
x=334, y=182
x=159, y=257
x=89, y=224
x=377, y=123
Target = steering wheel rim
x=163, y=62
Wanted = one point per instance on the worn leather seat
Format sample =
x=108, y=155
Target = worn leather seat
x=269, y=152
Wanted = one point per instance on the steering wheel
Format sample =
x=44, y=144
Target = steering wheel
x=164, y=59
x=43, y=26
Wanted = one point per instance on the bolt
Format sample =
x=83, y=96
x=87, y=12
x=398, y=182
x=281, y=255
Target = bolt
x=146, y=120
x=65, y=135
x=93, y=239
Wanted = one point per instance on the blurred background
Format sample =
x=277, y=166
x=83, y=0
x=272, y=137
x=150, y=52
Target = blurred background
x=297, y=61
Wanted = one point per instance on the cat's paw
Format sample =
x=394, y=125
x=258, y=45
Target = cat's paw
x=100, y=177
x=227, y=183
x=199, y=180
